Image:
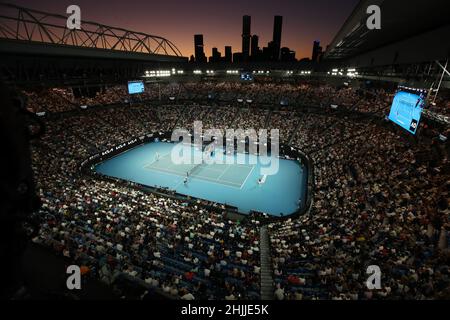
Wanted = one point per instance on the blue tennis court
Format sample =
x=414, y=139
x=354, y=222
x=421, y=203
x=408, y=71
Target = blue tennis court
x=233, y=175
x=232, y=184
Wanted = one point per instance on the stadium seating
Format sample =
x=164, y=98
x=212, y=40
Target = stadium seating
x=379, y=197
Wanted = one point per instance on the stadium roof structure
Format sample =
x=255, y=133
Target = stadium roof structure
x=400, y=19
x=33, y=32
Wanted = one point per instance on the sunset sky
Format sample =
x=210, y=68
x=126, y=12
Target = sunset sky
x=219, y=21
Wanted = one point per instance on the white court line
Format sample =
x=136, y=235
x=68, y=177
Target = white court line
x=166, y=171
x=169, y=170
x=208, y=178
x=211, y=169
x=178, y=184
x=244, y=165
x=226, y=169
x=221, y=182
x=225, y=183
x=149, y=164
x=247, y=177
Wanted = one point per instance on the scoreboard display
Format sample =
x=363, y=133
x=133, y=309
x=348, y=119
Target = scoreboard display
x=406, y=109
x=135, y=87
x=246, y=76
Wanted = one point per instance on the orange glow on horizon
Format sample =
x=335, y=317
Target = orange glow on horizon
x=219, y=21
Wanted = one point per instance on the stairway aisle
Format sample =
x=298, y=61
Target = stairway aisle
x=267, y=288
x=297, y=126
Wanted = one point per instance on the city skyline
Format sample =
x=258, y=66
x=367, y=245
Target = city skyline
x=250, y=50
x=219, y=22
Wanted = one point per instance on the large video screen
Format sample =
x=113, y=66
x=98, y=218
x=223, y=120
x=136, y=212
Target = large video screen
x=135, y=87
x=406, y=110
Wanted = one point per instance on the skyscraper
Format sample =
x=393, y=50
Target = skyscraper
x=255, y=47
x=228, y=54
x=199, y=49
x=246, y=26
x=316, y=51
x=216, y=55
x=237, y=57
x=287, y=55
x=277, y=29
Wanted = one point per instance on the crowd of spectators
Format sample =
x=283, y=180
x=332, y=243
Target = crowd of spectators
x=379, y=199
x=49, y=100
x=310, y=93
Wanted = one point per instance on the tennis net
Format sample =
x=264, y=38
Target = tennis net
x=194, y=168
